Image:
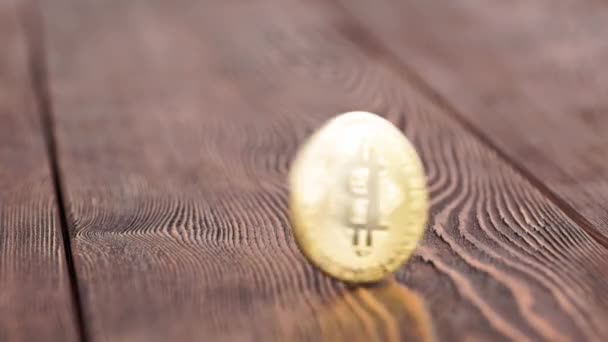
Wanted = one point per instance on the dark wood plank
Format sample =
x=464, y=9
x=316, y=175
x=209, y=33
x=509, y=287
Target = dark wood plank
x=35, y=300
x=176, y=124
x=528, y=74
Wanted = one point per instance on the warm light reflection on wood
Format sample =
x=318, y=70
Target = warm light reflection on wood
x=388, y=311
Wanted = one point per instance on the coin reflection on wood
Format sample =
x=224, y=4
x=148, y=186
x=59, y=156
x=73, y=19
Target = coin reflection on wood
x=358, y=200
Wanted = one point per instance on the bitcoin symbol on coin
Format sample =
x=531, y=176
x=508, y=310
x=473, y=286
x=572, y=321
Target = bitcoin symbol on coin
x=358, y=199
x=363, y=182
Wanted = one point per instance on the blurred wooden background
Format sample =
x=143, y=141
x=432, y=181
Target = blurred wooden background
x=144, y=148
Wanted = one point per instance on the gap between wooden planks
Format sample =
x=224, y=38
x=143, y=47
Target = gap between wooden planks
x=35, y=298
x=175, y=126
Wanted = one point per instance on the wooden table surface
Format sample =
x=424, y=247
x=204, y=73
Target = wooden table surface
x=145, y=144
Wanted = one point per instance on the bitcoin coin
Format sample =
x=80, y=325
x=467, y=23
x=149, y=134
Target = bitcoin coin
x=358, y=198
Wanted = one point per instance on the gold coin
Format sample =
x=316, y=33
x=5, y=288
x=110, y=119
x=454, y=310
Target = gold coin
x=358, y=199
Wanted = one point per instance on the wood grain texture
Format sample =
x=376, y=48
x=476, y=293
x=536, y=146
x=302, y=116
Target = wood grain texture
x=528, y=74
x=176, y=125
x=35, y=300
